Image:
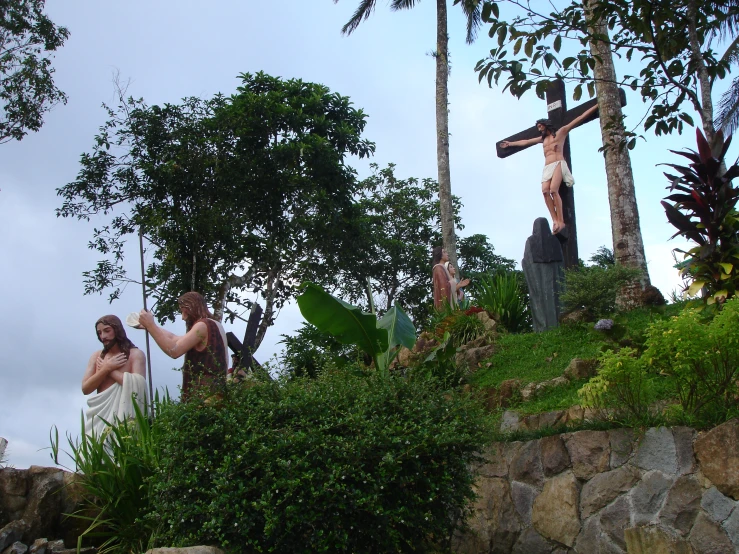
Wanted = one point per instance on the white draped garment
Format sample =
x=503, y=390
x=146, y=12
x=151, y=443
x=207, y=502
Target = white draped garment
x=115, y=404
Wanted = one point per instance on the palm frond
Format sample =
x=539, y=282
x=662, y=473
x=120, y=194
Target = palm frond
x=473, y=15
x=731, y=55
x=727, y=118
x=363, y=11
x=396, y=5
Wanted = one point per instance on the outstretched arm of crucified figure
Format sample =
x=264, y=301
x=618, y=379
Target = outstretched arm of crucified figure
x=579, y=119
x=527, y=142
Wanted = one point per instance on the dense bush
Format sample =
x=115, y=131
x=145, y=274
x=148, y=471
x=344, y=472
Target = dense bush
x=695, y=357
x=622, y=386
x=347, y=462
x=309, y=350
x=702, y=359
x=502, y=295
x=594, y=288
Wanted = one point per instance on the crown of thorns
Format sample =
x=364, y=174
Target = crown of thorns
x=545, y=121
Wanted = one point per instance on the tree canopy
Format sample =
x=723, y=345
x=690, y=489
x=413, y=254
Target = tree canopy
x=247, y=193
x=28, y=39
x=672, y=43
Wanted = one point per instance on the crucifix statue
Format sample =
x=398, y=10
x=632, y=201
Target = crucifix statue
x=559, y=200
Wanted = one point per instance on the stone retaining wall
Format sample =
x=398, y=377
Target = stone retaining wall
x=610, y=492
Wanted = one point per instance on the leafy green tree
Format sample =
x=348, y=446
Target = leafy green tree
x=396, y=230
x=672, y=44
x=478, y=258
x=241, y=194
x=28, y=39
x=472, y=10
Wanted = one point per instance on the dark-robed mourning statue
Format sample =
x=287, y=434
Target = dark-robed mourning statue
x=543, y=266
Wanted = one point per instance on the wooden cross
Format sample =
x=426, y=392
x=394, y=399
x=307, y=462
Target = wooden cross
x=559, y=115
x=246, y=349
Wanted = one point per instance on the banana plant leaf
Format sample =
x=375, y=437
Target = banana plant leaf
x=400, y=330
x=347, y=323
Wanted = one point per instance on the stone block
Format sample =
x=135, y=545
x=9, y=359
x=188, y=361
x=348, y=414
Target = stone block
x=43, y=511
x=579, y=369
x=493, y=523
x=510, y=421
x=657, y=451
x=602, y=489
x=551, y=419
x=614, y=519
x=555, y=514
x=717, y=506
x=717, y=452
x=622, y=445
x=731, y=526
x=39, y=546
x=554, y=456
x=682, y=504
x=12, y=532
x=654, y=540
x=526, y=465
x=523, y=496
x=16, y=548
x=531, y=542
x=55, y=546
x=684, y=437
x=648, y=497
x=590, y=452
x=707, y=537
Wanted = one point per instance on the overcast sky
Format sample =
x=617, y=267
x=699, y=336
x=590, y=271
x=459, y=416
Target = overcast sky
x=170, y=50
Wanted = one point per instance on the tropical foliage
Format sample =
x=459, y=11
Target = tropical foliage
x=28, y=40
x=702, y=207
x=248, y=193
x=502, y=295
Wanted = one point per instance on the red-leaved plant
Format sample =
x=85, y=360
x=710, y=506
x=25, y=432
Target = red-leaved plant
x=703, y=210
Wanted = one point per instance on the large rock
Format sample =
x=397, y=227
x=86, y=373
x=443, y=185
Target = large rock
x=654, y=540
x=682, y=504
x=523, y=497
x=684, y=437
x=470, y=358
x=16, y=548
x=526, y=465
x=43, y=510
x=590, y=452
x=593, y=540
x=580, y=369
x=602, y=489
x=493, y=524
x=717, y=506
x=554, y=456
x=614, y=519
x=657, y=451
x=13, y=491
x=731, y=526
x=707, y=537
x=622, y=446
x=648, y=496
x=12, y=532
x=531, y=542
x=718, y=455
x=555, y=514
x=495, y=464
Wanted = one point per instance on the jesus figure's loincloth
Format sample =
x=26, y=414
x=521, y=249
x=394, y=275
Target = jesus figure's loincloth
x=567, y=177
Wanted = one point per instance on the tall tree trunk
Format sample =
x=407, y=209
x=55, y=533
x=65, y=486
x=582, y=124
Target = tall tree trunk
x=705, y=109
x=442, y=132
x=628, y=248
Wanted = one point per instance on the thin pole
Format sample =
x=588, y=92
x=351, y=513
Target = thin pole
x=143, y=290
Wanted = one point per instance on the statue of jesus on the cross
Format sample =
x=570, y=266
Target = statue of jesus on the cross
x=555, y=166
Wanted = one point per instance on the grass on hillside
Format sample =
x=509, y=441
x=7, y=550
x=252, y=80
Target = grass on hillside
x=537, y=357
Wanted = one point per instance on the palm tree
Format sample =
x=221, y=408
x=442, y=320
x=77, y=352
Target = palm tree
x=727, y=118
x=472, y=10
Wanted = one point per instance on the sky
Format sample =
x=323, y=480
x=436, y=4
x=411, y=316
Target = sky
x=169, y=50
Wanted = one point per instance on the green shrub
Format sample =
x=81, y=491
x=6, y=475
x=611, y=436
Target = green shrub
x=114, y=471
x=309, y=350
x=622, y=386
x=501, y=294
x=702, y=358
x=462, y=328
x=594, y=288
x=346, y=462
